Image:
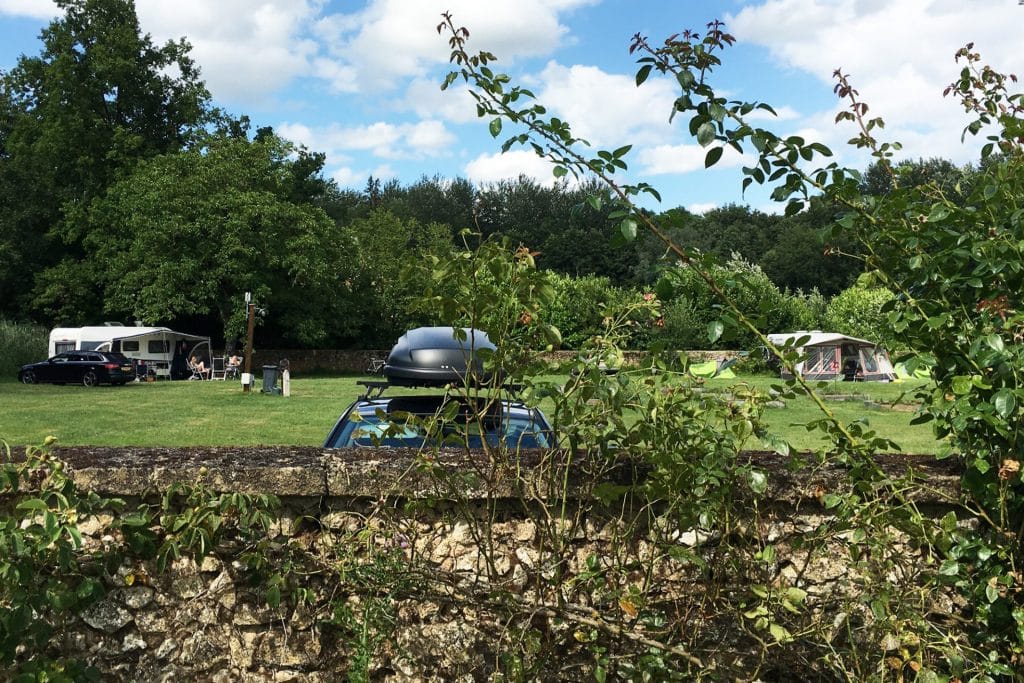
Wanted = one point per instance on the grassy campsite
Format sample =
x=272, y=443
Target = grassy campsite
x=219, y=413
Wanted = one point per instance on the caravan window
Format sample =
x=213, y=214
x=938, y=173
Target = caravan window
x=63, y=347
x=820, y=359
x=868, y=360
x=129, y=345
x=90, y=345
x=159, y=346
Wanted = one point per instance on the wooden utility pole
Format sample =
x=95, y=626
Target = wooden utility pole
x=251, y=325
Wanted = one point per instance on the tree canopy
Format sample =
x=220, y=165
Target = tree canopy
x=190, y=232
x=99, y=97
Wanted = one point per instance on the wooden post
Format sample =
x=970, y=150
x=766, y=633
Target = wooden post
x=247, y=369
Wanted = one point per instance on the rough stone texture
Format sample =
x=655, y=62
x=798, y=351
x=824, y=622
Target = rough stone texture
x=202, y=622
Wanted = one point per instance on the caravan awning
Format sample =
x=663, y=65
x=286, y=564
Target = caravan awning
x=165, y=331
x=816, y=337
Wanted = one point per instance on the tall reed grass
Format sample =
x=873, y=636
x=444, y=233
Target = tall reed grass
x=20, y=343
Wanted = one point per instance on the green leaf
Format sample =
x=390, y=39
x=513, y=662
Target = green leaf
x=780, y=633
x=665, y=289
x=1005, y=403
x=559, y=171
x=949, y=568
x=705, y=134
x=758, y=481
x=715, y=329
x=643, y=73
x=995, y=342
x=796, y=595
x=495, y=128
x=33, y=504
x=628, y=229
x=712, y=157
x=938, y=213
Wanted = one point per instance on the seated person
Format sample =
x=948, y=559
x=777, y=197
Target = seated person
x=199, y=367
x=852, y=371
x=234, y=365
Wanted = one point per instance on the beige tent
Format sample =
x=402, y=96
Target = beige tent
x=828, y=355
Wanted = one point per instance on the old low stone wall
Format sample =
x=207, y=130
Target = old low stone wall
x=355, y=362
x=205, y=622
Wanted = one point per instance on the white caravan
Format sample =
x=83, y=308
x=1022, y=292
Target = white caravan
x=160, y=349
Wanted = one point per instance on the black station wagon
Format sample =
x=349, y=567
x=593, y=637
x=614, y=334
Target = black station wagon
x=80, y=367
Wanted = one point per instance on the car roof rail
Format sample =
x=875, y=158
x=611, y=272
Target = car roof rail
x=375, y=388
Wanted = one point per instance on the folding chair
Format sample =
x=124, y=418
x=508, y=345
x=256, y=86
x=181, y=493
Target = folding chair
x=197, y=374
x=218, y=371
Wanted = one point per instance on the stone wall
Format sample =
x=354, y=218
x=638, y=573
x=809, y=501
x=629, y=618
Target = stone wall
x=203, y=621
x=343, y=361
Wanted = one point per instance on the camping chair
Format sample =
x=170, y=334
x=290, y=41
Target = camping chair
x=218, y=371
x=197, y=374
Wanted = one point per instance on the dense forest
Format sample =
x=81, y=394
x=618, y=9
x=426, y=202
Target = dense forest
x=125, y=194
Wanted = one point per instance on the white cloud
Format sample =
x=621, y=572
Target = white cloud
x=429, y=136
x=35, y=9
x=426, y=99
x=899, y=56
x=383, y=140
x=353, y=178
x=674, y=159
x=346, y=176
x=491, y=168
x=390, y=40
x=246, y=49
x=783, y=113
x=701, y=208
x=607, y=109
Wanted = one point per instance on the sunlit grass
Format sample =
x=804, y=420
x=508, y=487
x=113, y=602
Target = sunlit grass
x=220, y=413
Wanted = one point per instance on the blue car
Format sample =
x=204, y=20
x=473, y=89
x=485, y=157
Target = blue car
x=443, y=357
x=416, y=422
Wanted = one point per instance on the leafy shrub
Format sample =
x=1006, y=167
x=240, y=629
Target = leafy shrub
x=692, y=307
x=859, y=312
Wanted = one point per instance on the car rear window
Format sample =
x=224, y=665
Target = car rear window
x=374, y=431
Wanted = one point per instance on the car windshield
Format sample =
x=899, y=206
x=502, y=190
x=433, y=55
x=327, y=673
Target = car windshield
x=515, y=429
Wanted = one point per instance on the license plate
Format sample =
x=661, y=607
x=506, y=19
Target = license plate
x=126, y=368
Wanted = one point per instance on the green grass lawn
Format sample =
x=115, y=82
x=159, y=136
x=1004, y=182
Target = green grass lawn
x=220, y=413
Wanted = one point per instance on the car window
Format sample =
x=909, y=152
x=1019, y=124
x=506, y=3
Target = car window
x=512, y=431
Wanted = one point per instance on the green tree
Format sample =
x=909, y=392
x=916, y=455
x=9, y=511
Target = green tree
x=569, y=233
x=881, y=179
x=802, y=259
x=373, y=307
x=189, y=233
x=860, y=311
x=98, y=97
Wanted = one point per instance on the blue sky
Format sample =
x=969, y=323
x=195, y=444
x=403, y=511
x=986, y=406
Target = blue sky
x=358, y=79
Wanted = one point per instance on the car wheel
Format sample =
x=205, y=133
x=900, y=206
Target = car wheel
x=89, y=378
x=28, y=377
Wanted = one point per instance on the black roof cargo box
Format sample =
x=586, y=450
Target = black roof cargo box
x=435, y=356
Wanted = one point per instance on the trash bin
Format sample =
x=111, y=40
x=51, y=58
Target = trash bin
x=270, y=380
